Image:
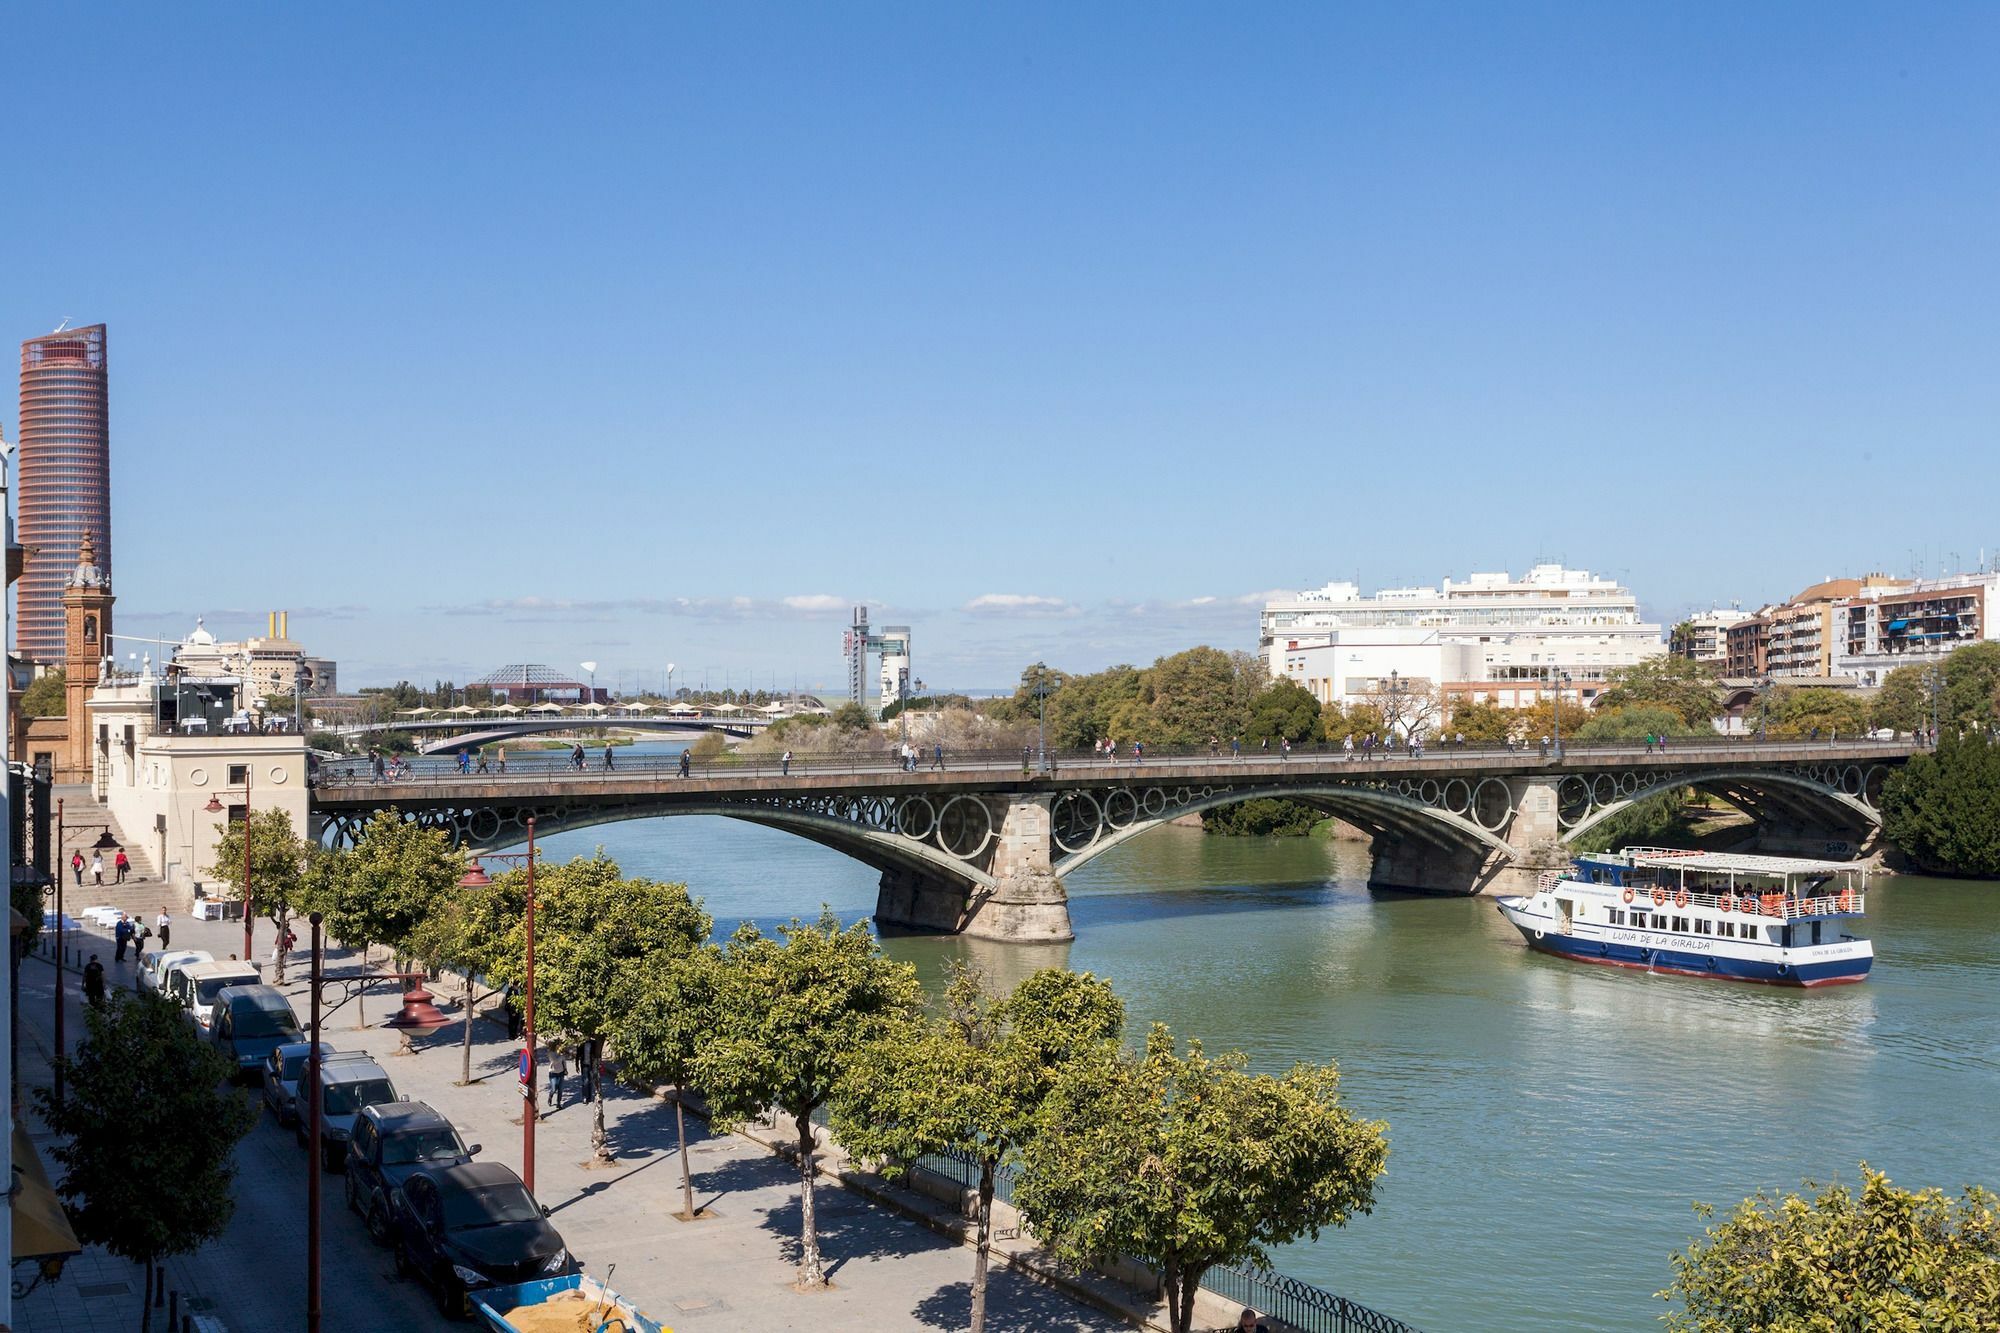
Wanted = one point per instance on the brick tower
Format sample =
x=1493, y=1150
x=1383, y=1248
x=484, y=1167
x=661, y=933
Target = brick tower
x=86, y=603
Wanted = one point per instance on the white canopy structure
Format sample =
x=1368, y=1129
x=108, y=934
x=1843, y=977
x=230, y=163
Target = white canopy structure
x=548, y=708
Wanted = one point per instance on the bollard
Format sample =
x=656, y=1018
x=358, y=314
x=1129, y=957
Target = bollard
x=160, y=1292
x=187, y=1324
x=173, y=1308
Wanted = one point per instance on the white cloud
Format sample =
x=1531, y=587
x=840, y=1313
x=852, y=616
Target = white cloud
x=816, y=602
x=1017, y=604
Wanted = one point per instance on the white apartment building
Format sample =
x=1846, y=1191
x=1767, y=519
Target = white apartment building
x=1892, y=626
x=1491, y=637
x=1704, y=638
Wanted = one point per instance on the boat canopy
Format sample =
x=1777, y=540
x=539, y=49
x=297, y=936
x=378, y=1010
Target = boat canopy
x=1738, y=863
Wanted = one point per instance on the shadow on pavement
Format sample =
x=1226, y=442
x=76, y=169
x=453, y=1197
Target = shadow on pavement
x=849, y=1228
x=1014, y=1304
x=740, y=1175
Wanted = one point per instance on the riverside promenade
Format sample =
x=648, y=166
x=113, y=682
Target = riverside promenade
x=889, y=1269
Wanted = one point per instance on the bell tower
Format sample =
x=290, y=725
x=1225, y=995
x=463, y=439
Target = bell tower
x=86, y=603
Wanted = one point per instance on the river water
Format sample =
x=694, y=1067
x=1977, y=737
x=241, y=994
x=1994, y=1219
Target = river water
x=1550, y=1123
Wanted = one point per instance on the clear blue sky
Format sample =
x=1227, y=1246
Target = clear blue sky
x=477, y=333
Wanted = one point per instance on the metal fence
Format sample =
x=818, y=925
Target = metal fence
x=1298, y=1305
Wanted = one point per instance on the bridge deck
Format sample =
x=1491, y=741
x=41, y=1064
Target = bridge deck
x=349, y=785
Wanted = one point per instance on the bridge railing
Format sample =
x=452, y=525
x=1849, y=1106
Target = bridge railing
x=1022, y=759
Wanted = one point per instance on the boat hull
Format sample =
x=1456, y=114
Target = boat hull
x=1664, y=957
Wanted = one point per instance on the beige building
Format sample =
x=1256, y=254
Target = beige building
x=272, y=666
x=157, y=774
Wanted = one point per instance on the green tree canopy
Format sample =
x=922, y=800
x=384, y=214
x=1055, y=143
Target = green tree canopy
x=1285, y=710
x=662, y=1031
x=1677, y=684
x=974, y=1081
x=1943, y=808
x=150, y=1129
x=1481, y=722
x=381, y=890
x=595, y=934
x=1630, y=723
x=1968, y=681
x=791, y=1016
x=1188, y=1162
x=278, y=858
x=1337, y=723
x=1792, y=712
x=1262, y=817
x=1885, y=1259
x=45, y=695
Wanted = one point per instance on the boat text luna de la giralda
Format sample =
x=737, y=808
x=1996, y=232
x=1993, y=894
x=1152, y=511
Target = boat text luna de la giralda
x=1774, y=919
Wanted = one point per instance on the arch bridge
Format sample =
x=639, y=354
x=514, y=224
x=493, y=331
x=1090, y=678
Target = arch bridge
x=981, y=846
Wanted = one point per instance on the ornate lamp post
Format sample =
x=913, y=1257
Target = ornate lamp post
x=1041, y=689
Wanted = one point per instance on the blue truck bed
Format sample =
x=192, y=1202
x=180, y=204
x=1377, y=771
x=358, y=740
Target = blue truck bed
x=618, y=1316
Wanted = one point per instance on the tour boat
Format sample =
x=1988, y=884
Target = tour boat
x=1774, y=919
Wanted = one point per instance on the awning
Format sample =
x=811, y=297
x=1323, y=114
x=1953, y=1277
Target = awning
x=1898, y=624
x=41, y=1227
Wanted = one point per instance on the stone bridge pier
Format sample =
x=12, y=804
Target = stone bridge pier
x=1019, y=897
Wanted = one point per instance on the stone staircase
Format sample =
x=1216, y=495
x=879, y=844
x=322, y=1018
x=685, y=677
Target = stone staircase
x=84, y=821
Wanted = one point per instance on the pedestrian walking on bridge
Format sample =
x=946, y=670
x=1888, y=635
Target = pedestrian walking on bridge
x=785, y=764
x=685, y=763
x=937, y=757
x=576, y=756
x=607, y=759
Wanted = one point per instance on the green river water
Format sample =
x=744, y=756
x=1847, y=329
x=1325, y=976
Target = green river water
x=1550, y=1122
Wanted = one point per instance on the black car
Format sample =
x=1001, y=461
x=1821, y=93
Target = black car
x=461, y=1228
x=390, y=1141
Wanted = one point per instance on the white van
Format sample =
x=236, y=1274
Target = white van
x=158, y=964
x=195, y=986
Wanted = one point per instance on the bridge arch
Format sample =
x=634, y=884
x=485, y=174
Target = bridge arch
x=1382, y=811
x=1840, y=803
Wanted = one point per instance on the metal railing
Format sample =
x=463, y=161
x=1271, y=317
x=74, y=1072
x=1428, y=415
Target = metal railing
x=1319, y=757
x=1299, y=1305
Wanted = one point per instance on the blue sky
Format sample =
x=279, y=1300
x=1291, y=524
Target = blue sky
x=662, y=333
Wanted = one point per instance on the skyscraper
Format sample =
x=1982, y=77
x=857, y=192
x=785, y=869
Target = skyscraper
x=65, y=477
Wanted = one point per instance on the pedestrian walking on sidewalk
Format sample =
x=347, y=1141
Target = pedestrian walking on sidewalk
x=76, y=866
x=123, y=864
x=93, y=982
x=121, y=934
x=163, y=926
x=558, y=1071
x=139, y=942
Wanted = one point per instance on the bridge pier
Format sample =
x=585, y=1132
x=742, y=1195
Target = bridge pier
x=1025, y=903
x=1411, y=864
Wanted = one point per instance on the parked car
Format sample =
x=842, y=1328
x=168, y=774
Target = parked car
x=282, y=1071
x=345, y=1087
x=247, y=1023
x=460, y=1228
x=159, y=964
x=390, y=1141
x=196, y=986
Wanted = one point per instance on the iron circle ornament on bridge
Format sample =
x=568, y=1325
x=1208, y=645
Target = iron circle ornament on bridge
x=1572, y=800
x=1153, y=803
x=1457, y=796
x=916, y=817
x=964, y=827
x=1121, y=807
x=1492, y=804
x=1604, y=789
x=1075, y=820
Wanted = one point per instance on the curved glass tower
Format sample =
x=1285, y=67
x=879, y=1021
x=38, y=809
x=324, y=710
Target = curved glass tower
x=65, y=476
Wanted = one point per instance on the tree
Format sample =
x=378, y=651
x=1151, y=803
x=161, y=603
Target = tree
x=661, y=1032
x=1194, y=695
x=595, y=933
x=1968, y=689
x=1480, y=722
x=277, y=868
x=1189, y=1162
x=1286, y=710
x=1630, y=723
x=45, y=695
x=1356, y=720
x=381, y=890
x=790, y=1018
x=1410, y=708
x=973, y=1081
x=1888, y=1259
x=1943, y=808
x=1679, y=684
x=469, y=931
x=150, y=1131
x=1261, y=817
x=1792, y=712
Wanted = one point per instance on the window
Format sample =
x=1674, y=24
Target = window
x=239, y=774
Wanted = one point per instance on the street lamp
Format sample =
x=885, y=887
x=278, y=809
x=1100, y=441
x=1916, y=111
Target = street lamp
x=1934, y=678
x=1763, y=704
x=412, y=1015
x=1558, y=679
x=1396, y=688
x=670, y=682
x=1041, y=689
x=215, y=807
x=475, y=877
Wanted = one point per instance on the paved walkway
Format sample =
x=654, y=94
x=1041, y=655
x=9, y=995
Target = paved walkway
x=732, y=1271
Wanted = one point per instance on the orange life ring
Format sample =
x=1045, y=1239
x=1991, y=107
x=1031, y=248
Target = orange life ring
x=1628, y=895
x=1726, y=904
x=1681, y=898
x=1847, y=900
x=1659, y=895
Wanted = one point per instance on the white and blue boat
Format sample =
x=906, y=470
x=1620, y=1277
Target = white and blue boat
x=1780, y=920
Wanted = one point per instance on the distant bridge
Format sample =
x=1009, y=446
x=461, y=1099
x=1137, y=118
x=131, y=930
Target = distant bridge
x=453, y=734
x=981, y=845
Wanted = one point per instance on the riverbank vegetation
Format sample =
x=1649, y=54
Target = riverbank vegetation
x=1942, y=808
x=1885, y=1258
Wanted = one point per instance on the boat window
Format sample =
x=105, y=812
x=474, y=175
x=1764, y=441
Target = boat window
x=1728, y=929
